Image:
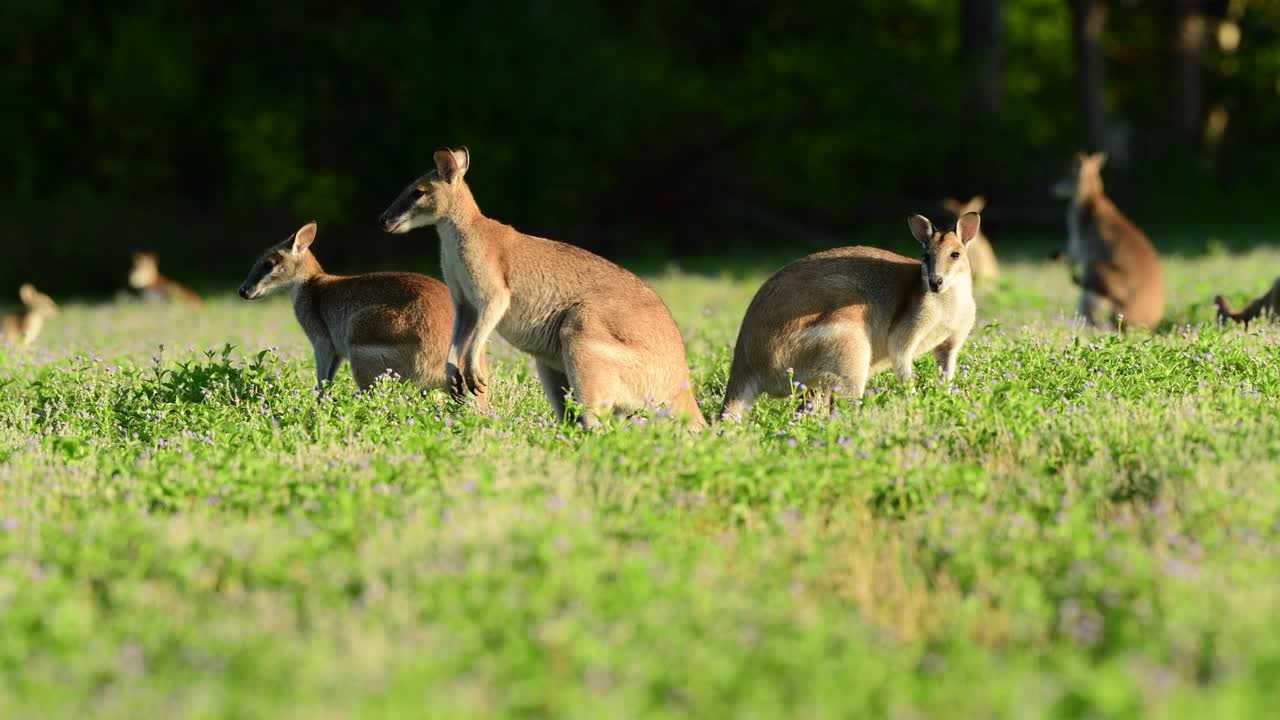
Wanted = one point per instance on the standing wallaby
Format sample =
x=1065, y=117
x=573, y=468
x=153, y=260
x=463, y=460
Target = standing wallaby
x=982, y=257
x=1268, y=305
x=145, y=277
x=380, y=322
x=591, y=327
x=1112, y=261
x=833, y=319
x=26, y=325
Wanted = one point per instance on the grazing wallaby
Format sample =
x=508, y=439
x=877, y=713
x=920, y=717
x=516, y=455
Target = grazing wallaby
x=26, y=325
x=1112, y=261
x=592, y=327
x=833, y=319
x=1268, y=305
x=145, y=277
x=379, y=322
x=982, y=257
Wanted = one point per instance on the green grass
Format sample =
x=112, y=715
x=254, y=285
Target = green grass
x=1086, y=526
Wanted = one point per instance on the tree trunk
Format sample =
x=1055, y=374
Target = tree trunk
x=1089, y=18
x=1185, y=29
x=982, y=52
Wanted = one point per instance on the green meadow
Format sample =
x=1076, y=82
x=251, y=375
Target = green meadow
x=1084, y=526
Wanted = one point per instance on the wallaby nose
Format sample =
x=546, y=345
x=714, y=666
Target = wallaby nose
x=935, y=283
x=244, y=293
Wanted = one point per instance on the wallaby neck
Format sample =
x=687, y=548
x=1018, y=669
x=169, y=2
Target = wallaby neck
x=311, y=274
x=463, y=215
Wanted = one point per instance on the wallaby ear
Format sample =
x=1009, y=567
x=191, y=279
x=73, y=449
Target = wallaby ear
x=1099, y=159
x=304, y=237
x=967, y=227
x=452, y=164
x=952, y=205
x=977, y=203
x=921, y=228
x=27, y=293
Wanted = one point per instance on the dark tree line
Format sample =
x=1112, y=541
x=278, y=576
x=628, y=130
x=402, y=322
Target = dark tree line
x=205, y=131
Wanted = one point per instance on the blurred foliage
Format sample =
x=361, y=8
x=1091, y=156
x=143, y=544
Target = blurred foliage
x=208, y=130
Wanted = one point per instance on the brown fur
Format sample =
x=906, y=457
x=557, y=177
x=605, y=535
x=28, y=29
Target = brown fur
x=1112, y=261
x=378, y=321
x=592, y=327
x=832, y=320
x=1267, y=305
x=982, y=257
x=25, y=326
x=145, y=277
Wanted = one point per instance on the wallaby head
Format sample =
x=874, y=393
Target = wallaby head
x=944, y=259
x=36, y=302
x=430, y=197
x=1085, y=179
x=284, y=265
x=145, y=270
x=976, y=204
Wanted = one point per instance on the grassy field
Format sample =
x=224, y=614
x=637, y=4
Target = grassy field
x=1085, y=526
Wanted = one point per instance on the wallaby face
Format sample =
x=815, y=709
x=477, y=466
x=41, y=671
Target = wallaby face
x=945, y=252
x=284, y=265
x=36, y=302
x=430, y=197
x=145, y=271
x=1084, y=180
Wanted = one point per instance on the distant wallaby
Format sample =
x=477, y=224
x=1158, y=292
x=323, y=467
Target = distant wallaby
x=145, y=277
x=23, y=327
x=982, y=257
x=380, y=322
x=591, y=327
x=834, y=319
x=1112, y=261
x=1268, y=305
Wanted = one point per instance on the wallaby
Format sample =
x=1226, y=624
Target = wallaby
x=832, y=320
x=593, y=328
x=982, y=257
x=1112, y=261
x=380, y=322
x=145, y=277
x=23, y=327
x=1268, y=305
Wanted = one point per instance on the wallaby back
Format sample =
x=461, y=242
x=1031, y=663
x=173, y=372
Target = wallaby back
x=381, y=323
x=1112, y=260
x=593, y=328
x=830, y=320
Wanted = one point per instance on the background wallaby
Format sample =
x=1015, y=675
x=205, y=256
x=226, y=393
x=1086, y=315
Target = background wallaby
x=145, y=277
x=1267, y=305
x=379, y=321
x=833, y=319
x=982, y=257
x=1112, y=261
x=591, y=327
x=26, y=325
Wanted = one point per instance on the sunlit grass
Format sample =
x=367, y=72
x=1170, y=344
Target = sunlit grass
x=1085, y=525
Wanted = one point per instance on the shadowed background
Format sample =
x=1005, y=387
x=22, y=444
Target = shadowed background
x=644, y=131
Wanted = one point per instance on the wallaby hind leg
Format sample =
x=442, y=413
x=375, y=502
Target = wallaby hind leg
x=1090, y=304
x=739, y=397
x=555, y=384
x=595, y=378
x=369, y=362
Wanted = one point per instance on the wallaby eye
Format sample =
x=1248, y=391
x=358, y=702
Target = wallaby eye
x=955, y=256
x=420, y=191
